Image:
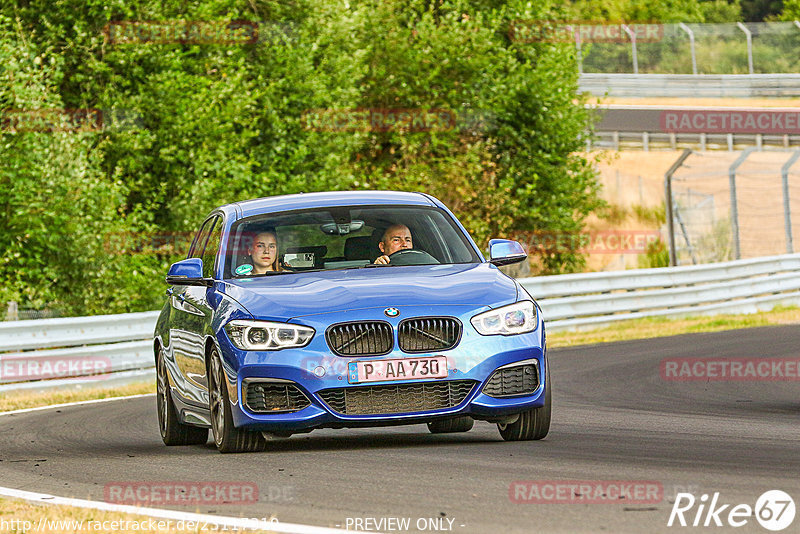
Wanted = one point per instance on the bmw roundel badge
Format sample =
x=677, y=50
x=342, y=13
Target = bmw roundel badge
x=391, y=312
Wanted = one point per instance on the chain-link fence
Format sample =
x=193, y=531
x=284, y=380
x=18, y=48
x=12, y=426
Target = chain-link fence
x=734, y=48
x=735, y=205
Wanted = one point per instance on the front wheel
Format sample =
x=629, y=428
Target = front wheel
x=227, y=437
x=173, y=432
x=532, y=424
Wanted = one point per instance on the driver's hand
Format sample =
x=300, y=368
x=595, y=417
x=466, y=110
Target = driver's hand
x=382, y=260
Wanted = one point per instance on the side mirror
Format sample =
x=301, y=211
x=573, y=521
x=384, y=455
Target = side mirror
x=188, y=272
x=505, y=252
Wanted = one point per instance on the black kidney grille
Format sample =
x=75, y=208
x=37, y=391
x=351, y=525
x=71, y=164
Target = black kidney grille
x=266, y=397
x=425, y=334
x=397, y=398
x=519, y=380
x=369, y=338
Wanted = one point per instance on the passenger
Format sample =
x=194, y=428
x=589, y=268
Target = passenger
x=264, y=253
x=396, y=237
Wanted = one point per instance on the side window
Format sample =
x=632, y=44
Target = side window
x=196, y=250
x=212, y=247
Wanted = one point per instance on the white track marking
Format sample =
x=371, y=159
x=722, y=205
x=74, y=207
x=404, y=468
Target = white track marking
x=232, y=522
x=77, y=403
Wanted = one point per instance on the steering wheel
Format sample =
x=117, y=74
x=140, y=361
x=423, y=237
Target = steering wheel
x=410, y=256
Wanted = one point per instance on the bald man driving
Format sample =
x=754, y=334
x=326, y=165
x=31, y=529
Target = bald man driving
x=396, y=237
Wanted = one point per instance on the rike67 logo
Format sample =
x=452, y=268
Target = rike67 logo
x=774, y=510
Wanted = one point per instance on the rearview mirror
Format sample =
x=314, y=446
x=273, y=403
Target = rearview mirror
x=188, y=272
x=342, y=228
x=505, y=252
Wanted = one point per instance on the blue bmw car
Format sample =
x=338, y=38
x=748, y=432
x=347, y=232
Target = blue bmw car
x=345, y=309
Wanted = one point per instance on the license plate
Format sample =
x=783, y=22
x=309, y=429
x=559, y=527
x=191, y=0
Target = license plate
x=401, y=369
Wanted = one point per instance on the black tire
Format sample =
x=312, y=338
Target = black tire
x=227, y=437
x=454, y=424
x=173, y=432
x=532, y=424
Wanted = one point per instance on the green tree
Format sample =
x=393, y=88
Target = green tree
x=54, y=200
x=211, y=124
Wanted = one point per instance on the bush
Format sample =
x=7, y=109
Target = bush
x=216, y=124
x=656, y=255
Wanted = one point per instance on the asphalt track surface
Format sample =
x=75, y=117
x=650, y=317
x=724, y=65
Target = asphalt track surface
x=614, y=418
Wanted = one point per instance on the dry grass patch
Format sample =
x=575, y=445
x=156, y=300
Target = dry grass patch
x=661, y=327
x=68, y=519
x=33, y=399
x=710, y=102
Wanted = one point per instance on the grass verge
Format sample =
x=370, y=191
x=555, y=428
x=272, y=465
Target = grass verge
x=661, y=327
x=33, y=399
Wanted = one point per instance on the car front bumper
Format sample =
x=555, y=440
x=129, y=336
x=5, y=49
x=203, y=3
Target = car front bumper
x=315, y=372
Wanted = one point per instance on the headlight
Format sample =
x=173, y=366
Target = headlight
x=266, y=335
x=513, y=319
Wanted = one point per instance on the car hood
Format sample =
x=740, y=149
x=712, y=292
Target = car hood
x=295, y=295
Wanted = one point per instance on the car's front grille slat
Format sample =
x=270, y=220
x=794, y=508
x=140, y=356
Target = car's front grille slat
x=269, y=397
x=369, y=338
x=425, y=334
x=517, y=380
x=397, y=398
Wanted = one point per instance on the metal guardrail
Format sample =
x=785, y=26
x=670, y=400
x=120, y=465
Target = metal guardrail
x=691, y=85
x=113, y=347
x=67, y=332
x=107, y=349
x=597, y=299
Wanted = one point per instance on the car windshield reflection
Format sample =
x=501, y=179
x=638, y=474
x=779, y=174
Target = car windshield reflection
x=354, y=237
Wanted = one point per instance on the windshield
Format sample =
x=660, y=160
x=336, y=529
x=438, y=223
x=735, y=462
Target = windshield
x=344, y=238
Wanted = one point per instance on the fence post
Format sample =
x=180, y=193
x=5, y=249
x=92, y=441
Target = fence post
x=749, y=45
x=633, y=48
x=12, y=313
x=673, y=260
x=737, y=253
x=787, y=210
x=579, y=50
x=688, y=30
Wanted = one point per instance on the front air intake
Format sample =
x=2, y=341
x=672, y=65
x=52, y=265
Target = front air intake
x=274, y=397
x=426, y=334
x=364, y=338
x=513, y=381
x=397, y=398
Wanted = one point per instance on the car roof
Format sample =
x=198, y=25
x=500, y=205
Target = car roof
x=257, y=206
